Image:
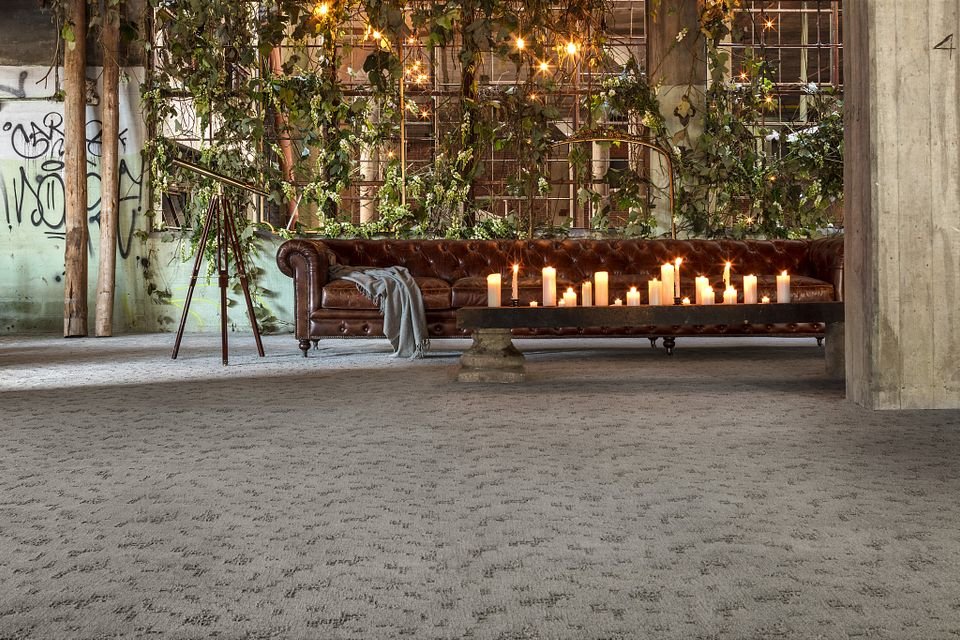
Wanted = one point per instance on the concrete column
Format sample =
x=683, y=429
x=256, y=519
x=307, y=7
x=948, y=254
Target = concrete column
x=681, y=69
x=599, y=165
x=902, y=203
x=369, y=164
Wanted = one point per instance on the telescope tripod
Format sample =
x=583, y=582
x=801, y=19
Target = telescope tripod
x=221, y=213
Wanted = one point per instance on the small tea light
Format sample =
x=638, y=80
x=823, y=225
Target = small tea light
x=618, y=302
x=533, y=303
x=562, y=302
x=685, y=301
x=765, y=300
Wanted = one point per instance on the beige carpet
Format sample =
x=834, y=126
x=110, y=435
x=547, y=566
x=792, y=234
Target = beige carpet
x=726, y=492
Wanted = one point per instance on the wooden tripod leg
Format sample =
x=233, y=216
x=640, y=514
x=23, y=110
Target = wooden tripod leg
x=201, y=249
x=222, y=276
x=242, y=273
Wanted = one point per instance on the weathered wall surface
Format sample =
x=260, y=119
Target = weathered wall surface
x=32, y=198
x=32, y=218
x=28, y=35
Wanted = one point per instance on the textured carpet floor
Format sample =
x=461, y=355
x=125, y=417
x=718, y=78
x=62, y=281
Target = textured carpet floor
x=727, y=492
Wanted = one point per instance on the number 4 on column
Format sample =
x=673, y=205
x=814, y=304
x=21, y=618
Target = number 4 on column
x=946, y=45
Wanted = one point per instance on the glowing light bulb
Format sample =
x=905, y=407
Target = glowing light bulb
x=744, y=76
x=375, y=35
x=520, y=43
x=543, y=66
x=572, y=48
x=769, y=24
x=321, y=10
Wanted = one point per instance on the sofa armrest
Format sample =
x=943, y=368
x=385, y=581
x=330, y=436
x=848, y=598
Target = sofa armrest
x=824, y=261
x=308, y=263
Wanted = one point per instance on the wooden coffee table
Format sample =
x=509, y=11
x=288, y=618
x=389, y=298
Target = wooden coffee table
x=493, y=358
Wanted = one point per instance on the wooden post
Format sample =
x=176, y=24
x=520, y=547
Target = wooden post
x=110, y=185
x=75, y=174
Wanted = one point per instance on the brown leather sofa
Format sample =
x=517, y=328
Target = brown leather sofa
x=452, y=274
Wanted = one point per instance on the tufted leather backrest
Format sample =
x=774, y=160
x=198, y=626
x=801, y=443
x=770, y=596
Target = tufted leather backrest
x=574, y=260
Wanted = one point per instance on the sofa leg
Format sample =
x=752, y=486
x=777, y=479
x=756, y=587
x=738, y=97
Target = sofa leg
x=668, y=344
x=653, y=343
x=305, y=347
x=316, y=344
x=819, y=341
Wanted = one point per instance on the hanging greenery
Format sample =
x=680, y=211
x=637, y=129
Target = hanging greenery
x=269, y=103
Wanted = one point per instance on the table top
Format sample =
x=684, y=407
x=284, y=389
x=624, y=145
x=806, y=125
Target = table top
x=678, y=315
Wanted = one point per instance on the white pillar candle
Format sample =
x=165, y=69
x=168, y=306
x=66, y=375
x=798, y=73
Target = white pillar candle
x=709, y=297
x=618, y=302
x=729, y=296
x=676, y=277
x=587, y=294
x=666, y=278
x=533, y=303
x=783, y=287
x=702, y=282
x=549, y=287
x=765, y=300
x=493, y=290
x=633, y=297
x=654, y=295
x=570, y=297
x=726, y=274
x=603, y=281
x=749, y=289
x=515, y=289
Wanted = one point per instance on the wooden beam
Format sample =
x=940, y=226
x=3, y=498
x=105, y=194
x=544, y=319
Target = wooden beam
x=75, y=174
x=110, y=184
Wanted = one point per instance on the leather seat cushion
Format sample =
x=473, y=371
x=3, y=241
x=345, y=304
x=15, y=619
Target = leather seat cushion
x=472, y=291
x=343, y=294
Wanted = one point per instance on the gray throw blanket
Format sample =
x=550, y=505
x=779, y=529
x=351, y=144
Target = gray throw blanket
x=395, y=291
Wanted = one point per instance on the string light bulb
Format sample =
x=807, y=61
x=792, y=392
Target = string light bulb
x=519, y=43
x=769, y=24
x=571, y=48
x=543, y=66
x=322, y=10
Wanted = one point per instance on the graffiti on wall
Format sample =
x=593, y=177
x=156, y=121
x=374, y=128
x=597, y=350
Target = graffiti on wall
x=32, y=190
